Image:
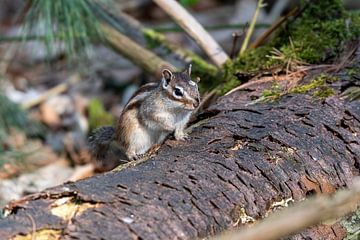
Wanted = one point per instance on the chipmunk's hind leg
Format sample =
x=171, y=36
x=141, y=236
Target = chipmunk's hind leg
x=140, y=144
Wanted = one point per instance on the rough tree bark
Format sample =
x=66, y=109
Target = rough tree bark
x=240, y=162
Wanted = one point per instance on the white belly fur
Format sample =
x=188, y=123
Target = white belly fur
x=141, y=141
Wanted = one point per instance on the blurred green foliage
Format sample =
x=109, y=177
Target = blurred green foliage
x=188, y=3
x=72, y=22
x=12, y=116
x=98, y=116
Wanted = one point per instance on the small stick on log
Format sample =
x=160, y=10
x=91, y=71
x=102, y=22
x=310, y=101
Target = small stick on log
x=237, y=36
x=303, y=215
x=195, y=30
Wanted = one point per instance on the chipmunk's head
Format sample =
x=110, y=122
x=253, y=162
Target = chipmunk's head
x=179, y=88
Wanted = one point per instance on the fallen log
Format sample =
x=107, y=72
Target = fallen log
x=242, y=162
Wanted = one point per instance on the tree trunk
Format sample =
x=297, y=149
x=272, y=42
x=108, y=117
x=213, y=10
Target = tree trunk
x=239, y=161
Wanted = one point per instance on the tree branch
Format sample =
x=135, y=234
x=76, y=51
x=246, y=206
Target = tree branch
x=195, y=30
x=139, y=55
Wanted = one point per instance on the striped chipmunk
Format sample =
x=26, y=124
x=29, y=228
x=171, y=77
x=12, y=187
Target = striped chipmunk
x=154, y=112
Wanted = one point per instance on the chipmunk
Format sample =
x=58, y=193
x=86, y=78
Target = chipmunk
x=153, y=112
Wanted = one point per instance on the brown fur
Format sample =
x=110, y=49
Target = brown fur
x=145, y=88
x=153, y=112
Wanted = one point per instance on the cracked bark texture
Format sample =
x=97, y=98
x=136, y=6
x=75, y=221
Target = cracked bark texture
x=237, y=163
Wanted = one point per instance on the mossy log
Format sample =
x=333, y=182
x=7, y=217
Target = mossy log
x=238, y=163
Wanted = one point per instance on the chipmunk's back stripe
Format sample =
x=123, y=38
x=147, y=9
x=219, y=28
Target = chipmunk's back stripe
x=138, y=97
x=133, y=104
x=145, y=88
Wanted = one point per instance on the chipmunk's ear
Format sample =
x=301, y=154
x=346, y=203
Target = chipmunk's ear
x=167, y=75
x=188, y=71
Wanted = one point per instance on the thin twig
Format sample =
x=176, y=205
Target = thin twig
x=58, y=89
x=236, y=36
x=33, y=225
x=260, y=40
x=302, y=215
x=217, y=27
x=195, y=30
x=347, y=58
x=252, y=26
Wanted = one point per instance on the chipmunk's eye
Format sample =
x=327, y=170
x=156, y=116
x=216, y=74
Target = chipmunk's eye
x=178, y=92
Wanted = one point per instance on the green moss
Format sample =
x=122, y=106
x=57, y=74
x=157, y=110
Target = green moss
x=323, y=92
x=153, y=38
x=319, y=81
x=317, y=87
x=274, y=93
x=229, y=80
x=353, y=72
x=352, y=226
x=317, y=35
x=307, y=87
x=320, y=32
x=98, y=116
x=253, y=59
x=320, y=40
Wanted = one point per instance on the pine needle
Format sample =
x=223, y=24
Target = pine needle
x=64, y=24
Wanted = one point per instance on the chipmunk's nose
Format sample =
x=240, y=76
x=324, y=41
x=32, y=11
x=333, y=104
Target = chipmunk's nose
x=197, y=102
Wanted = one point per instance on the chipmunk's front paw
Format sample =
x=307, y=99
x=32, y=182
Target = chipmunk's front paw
x=181, y=136
x=133, y=156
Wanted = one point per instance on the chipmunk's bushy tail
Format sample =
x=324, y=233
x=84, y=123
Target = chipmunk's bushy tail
x=99, y=142
x=103, y=148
